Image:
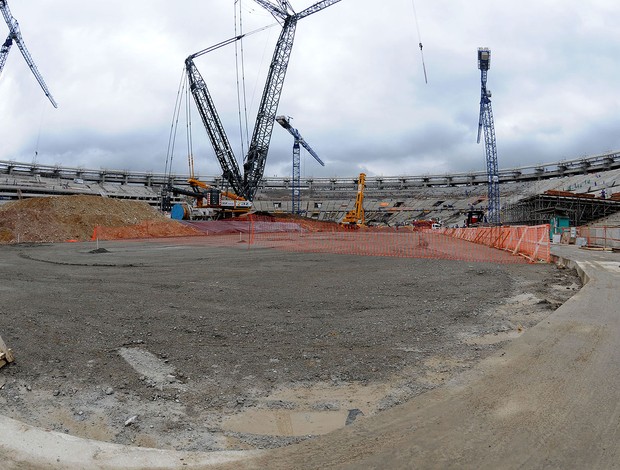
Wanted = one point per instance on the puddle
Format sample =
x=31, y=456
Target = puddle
x=310, y=410
x=285, y=422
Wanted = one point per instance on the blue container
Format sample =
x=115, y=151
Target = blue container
x=178, y=212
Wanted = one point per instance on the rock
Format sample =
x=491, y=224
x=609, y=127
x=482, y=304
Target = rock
x=109, y=391
x=131, y=420
x=352, y=416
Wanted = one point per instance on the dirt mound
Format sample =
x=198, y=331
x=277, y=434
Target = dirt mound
x=62, y=218
x=311, y=225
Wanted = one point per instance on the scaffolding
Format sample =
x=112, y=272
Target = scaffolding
x=540, y=209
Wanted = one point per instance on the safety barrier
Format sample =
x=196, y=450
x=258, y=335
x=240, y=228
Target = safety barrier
x=497, y=244
x=606, y=236
x=532, y=242
x=147, y=229
x=514, y=244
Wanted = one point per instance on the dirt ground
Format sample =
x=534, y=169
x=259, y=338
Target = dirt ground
x=65, y=218
x=178, y=345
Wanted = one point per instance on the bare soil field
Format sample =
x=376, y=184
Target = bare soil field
x=74, y=218
x=178, y=345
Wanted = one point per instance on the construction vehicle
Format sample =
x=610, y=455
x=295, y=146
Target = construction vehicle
x=485, y=121
x=207, y=202
x=474, y=218
x=284, y=121
x=15, y=36
x=356, y=216
x=246, y=185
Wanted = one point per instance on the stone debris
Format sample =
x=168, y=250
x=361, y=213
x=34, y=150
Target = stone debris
x=131, y=420
x=6, y=355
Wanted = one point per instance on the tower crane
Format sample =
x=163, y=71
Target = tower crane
x=246, y=184
x=15, y=36
x=486, y=121
x=284, y=121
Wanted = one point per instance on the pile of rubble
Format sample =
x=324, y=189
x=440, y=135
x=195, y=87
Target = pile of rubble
x=74, y=218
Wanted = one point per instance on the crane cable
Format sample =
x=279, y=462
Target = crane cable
x=241, y=103
x=415, y=17
x=188, y=136
x=175, y=122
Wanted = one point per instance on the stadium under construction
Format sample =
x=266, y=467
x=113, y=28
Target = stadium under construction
x=583, y=189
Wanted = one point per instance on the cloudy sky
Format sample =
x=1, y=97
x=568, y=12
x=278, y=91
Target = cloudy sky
x=355, y=85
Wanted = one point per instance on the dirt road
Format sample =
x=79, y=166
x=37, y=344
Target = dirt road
x=175, y=345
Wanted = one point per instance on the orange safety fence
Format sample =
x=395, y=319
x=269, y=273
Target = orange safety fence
x=146, y=229
x=486, y=244
x=606, y=236
x=532, y=242
x=518, y=244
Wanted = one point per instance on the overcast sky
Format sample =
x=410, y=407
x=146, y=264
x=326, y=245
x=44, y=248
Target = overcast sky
x=354, y=88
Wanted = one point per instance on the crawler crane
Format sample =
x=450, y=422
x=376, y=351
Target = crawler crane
x=246, y=185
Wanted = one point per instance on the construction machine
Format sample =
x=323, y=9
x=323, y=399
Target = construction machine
x=208, y=203
x=285, y=122
x=475, y=218
x=486, y=122
x=356, y=217
x=246, y=184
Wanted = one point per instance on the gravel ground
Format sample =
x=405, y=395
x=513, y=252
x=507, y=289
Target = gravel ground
x=182, y=346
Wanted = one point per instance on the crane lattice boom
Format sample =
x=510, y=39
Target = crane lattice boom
x=247, y=184
x=486, y=122
x=15, y=36
x=284, y=121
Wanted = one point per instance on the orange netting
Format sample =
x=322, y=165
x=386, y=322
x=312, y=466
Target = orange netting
x=486, y=244
x=606, y=236
x=146, y=229
x=516, y=244
x=531, y=242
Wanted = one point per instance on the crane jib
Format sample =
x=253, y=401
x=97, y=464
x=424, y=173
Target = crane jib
x=15, y=35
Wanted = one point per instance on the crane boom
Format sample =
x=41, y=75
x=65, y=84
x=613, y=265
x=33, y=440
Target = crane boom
x=254, y=164
x=246, y=185
x=486, y=122
x=211, y=120
x=284, y=121
x=4, y=51
x=315, y=8
x=15, y=35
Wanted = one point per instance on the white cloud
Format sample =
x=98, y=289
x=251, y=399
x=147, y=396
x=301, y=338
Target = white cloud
x=355, y=86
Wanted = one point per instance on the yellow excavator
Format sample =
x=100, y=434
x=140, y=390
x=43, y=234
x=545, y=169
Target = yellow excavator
x=356, y=216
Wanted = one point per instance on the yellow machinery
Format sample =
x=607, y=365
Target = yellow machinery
x=356, y=216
